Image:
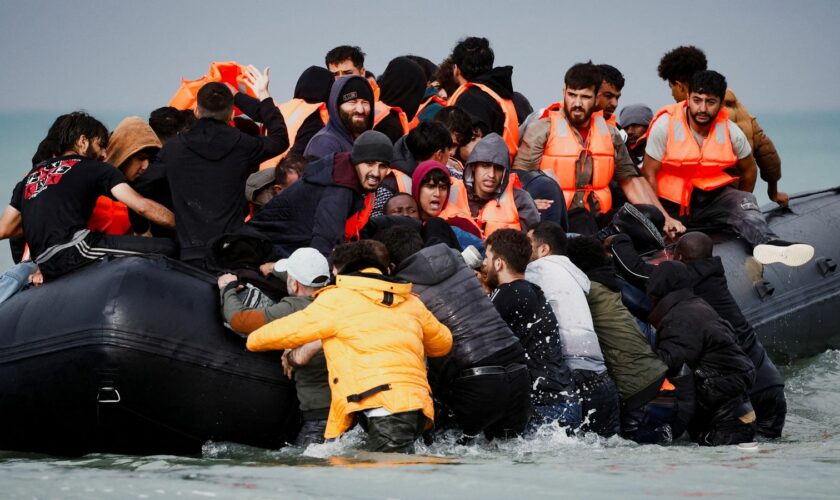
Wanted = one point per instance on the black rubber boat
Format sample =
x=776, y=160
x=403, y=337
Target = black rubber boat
x=129, y=355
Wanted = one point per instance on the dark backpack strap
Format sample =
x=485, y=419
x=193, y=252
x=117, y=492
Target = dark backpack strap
x=356, y=398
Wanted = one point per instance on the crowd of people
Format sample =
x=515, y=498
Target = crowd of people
x=431, y=253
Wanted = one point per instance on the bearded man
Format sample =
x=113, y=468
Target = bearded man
x=349, y=105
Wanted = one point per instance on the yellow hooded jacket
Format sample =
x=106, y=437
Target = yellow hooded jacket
x=375, y=334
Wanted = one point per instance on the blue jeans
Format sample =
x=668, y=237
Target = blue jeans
x=14, y=278
x=567, y=414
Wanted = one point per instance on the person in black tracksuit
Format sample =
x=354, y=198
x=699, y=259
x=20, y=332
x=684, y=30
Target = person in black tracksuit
x=207, y=166
x=709, y=283
x=690, y=332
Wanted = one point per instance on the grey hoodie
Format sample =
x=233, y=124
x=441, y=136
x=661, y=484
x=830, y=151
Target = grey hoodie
x=565, y=286
x=492, y=149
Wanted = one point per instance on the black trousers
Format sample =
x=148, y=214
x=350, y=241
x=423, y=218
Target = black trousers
x=497, y=404
x=393, y=433
x=770, y=408
x=599, y=402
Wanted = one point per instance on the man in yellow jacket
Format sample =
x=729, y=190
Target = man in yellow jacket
x=375, y=335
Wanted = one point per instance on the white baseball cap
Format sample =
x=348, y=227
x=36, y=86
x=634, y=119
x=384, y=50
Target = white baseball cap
x=307, y=266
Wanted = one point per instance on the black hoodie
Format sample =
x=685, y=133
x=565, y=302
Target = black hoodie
x=207, y=167
x=313, y=86
x=484, y=110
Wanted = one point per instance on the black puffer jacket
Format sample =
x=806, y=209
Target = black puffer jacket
x=689, y=331
x=450, y=290
x=313, y=211
x=710, y=285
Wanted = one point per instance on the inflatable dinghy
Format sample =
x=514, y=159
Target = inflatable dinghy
x=129, y=355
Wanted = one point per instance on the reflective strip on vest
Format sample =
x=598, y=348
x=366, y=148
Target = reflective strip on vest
x=403, y=181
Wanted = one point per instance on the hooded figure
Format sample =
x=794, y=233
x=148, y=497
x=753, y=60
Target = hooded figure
x=492, y=149
x=131, y=136
x=313, y=86
x=690, y=332
x=402, y=85
x=334, y=137
x=485, y=112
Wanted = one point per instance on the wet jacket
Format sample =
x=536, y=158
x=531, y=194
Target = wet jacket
x=334, y=137
x=313, y=211
x=689, y=331
x=709, y=283
x=764, y=152
x=375, y=334
x=207, y=167
x=636, y=369
x=453, y=294
x=565, y=286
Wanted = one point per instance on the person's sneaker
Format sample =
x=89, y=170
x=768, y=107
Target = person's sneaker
x=784, y=252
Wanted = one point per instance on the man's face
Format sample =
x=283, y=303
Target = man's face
x=536, y=251
x=486, y=178
x=135, y=165
x=402, y=205
x=431, y=197
x=635, y=132
x=488, y=268
x=371, y=174
x=578, y=104
x=679, y=90
x=703, y=108
x=466, y=150
x=345, y=68
x=354, y=115
x=607, y=99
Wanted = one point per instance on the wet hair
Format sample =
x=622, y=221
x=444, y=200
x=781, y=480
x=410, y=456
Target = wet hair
x=345, y=52
x=473, y=56
x=397, y=196
x=680, y=64
x=401, y=241
x=426, y=139
x=694, y=246
x=612, y=75
x=708, y=82
x=435, y=177
x=215, y=101
x=587, y=253
x=512, y=246
x=551, y=234
x=294, y=162
x=446, y=76
x=458, y=122
x=77, y=124
x=167, y=122
x=48, y=147
x=583, y=76
x=353, y=257
x=429, y=68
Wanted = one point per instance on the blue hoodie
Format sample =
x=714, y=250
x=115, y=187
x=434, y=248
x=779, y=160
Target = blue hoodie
x=334, y=137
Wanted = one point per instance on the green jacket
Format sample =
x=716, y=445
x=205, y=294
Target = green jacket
x=636, y=369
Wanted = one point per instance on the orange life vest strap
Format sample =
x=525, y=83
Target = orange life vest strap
x=511, y=128
x=416, y=120
x=357, y=221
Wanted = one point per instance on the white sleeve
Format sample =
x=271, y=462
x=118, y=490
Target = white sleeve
x=740, y=144
x=658, y=138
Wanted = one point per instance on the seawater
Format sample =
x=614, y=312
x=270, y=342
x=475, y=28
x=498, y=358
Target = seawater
x=805, y=463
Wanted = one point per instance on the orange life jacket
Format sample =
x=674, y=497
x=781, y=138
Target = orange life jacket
x=109, y=217
x=685, y=165
x=563, y=158
x=227, y=72
x=612, y=120
x=374, y=87
x=382, y=110
x=498, y=213
x=295, y=112
x=416, y=120
x=511, y=131
x=357, y=221
x=403, y=181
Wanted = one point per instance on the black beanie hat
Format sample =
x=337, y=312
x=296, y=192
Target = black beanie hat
x=372, y=146
x=355, y=88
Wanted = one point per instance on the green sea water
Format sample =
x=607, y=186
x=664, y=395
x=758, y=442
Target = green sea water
x=805, y=463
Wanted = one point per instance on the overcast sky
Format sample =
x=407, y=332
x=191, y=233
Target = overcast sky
x=114, y=55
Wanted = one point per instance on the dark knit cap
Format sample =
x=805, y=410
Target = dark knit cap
x=355, y=88
x=372, y=146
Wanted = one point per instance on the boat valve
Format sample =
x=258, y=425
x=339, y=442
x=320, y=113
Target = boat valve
x=826, y=265
x=108, y=395
x=764, y=289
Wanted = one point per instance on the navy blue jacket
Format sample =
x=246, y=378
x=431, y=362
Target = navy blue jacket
x=334, y=137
